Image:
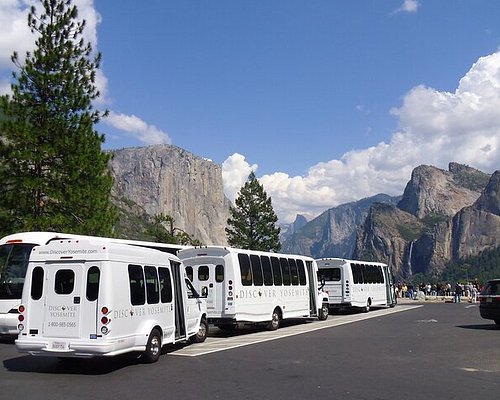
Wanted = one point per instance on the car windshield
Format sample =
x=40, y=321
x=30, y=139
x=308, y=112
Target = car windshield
x=492, y=288
x=13, y=264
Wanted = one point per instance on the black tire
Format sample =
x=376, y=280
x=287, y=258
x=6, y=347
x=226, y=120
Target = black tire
x=323, y=312
x=368, y=305
x=202, y=332
x=153, y=348
x=275, y=320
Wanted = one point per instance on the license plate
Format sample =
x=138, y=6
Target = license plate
x=59, y=346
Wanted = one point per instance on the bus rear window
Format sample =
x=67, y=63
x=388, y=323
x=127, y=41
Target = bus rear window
x=37, y=283
x=65, y=281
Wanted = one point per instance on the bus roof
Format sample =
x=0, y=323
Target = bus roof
x=221, y=251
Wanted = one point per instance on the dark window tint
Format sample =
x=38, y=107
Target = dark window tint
x=37, y=283
x=219, y=273
x=329, y=274
x=13, y=265
x=152, y=290
x=258, y=278
x=64, y=282
x=266, y=269
x=93, y=276
x=491, y=288
x=245, y=270
x=302, y=272
x=293, y=271
x=203, y=273
x=275, y=263
x=136, y=280
x=285, y=271
x=189, y=273
x=165, y=285
x=357, y=273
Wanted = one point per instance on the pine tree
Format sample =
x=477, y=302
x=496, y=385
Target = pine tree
x=54, y=174
x=252, y=223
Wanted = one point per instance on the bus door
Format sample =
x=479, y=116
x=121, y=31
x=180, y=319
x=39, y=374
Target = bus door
x=389, y=286
x=313, y=288
x=180, y=300
x=333, y=283
x=68, y=313
x=210, y=279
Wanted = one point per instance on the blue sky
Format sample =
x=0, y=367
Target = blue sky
x=328, y=101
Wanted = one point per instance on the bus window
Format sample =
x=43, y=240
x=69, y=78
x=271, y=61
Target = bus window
x=293, y=271
x=278, y=279
x=136, y=281
x=302, y=272
x=203, y=273
x=165, y=284
x=245, y=270
x=266, y=269
x=189, y=273
x=285, y=271
x=64, y=282
x=219, y=273
x=13, y=265
x=330, y=274
x=258, y=278
x=93, y=275
x=152, y=291
x=37, y=283
x=357, y=273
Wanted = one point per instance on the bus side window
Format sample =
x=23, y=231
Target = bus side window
x=258, y=278
x=37, y=283
x=136, y=281
x=266, y=269
x=285, y=271
x=302, y=272
x=152, y=291
x=93, y=276
x=245, y=270
x=294, y=272
x=357, y=273
x=278, y=279
x=165, y=285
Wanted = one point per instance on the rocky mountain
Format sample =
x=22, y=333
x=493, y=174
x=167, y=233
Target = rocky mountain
x=443, y=216
x=165, y=179
x=333, y=233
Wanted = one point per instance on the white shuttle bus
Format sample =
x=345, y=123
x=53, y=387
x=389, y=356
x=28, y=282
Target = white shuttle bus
x=354, y=283
x=84, y=298
x=15, y=250
x=245, y=286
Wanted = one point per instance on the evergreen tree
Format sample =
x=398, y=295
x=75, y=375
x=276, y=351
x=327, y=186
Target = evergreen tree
x=163, y=230
x=252, y=223
x=53, y=172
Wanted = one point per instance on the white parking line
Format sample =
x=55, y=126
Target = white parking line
x=215, y=344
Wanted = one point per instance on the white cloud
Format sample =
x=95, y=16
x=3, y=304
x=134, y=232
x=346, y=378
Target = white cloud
x=434, y=128
x=408, y=6
x=235, y=171
x=147, y=134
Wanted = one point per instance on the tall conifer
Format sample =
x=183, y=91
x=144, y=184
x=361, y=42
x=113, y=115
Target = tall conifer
x=252, y=223
x=53, y=173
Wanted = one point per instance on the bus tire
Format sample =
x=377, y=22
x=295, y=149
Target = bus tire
x=275, y=320
x=323, y=312
x=202, y=332
x=368, y=305
x=153, y=347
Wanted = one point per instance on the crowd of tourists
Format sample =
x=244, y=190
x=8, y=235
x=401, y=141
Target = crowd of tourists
x=457, y=292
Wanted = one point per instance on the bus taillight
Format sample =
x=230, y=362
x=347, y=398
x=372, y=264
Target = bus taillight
x=21, y=308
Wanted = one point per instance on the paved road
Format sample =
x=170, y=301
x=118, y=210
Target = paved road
x=437, y=351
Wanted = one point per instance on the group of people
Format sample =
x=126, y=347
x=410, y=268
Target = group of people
x=469, y=290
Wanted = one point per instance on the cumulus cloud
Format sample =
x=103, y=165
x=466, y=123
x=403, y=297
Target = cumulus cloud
x=408, y=6
x=235, y=171
x=434, y=128
x=147, y=134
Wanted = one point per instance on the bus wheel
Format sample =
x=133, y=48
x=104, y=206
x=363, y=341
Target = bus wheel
x=153, y=348
x=368, y=305
x=202, y=333
x=275, y=320
x=323, y=312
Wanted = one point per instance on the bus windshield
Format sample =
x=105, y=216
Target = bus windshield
x=13, y=264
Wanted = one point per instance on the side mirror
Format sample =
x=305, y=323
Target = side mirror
x=204, y=291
